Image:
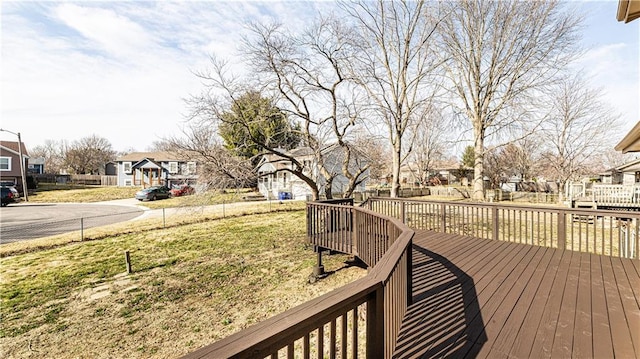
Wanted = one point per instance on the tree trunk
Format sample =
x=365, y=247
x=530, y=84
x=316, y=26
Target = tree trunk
x=395, y=185
x=478, y=166
x=562, y=185
x=315, y=194
x=328, y=187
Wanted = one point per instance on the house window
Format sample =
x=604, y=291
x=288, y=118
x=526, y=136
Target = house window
x=191, y=168
x=128, y=183
x=638, y=177
x=126, y=167
x=5, y=164
x=173, y=167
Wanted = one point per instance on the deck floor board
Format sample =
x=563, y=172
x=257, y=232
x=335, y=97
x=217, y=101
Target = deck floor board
x=483, y=298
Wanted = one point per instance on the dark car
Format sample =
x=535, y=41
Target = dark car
x=9, y=195
x=153, y=193
x=182, y=190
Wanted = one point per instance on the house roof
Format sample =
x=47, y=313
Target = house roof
x=628, y=10
x=630, y=142
x=160, y=156
x=147, y=163
x=37, y=161
x=13, y=147
x=633, y=165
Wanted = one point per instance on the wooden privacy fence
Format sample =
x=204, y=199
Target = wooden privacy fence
x=362, y=318
x=612, y=233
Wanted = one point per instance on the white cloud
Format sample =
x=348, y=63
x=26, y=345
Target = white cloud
x=105, y=30
x=121, y=69
x=614, y=67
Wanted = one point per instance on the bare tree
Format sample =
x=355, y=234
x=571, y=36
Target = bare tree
x=54, y=153
x=499, y=54
x=89, y=155
x=579, y=130
x=611, y=158
x=515, y=159
x=219, y=168
x=495, y=167
x=308, y=73
x=429, y=133
x=377, y=153
x=395, y=67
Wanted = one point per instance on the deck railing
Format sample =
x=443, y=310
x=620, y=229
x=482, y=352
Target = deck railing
x=612, y=233
x=362, y=318
x=606, y=194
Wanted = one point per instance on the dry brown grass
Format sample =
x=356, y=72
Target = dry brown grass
x=192, y=284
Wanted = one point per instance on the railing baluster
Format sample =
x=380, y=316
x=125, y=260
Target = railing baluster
x=306, y=346
x=290, y=351
x=343, y=336
x=332, y=339
x=320, y=342
x=354, y=333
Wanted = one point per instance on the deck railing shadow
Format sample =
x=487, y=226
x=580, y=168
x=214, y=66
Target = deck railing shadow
x=444, y=320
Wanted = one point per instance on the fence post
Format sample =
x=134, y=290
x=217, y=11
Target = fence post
x=375, y=324
x=81, y=229
x=127, y=260
x=562, y=230
x=164, y=220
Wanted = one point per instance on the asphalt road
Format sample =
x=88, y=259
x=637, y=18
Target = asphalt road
x=23, y=221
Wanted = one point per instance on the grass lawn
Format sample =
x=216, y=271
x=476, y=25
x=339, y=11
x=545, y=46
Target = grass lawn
x=51, y=193
x=191, y=285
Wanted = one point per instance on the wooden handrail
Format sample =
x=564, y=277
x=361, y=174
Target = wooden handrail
x=606, y=232
x=384, y=308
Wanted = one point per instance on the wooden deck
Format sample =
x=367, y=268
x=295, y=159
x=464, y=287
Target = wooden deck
x=480, y=298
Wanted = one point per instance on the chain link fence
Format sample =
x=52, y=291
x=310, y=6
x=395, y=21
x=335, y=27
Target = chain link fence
x=138, y=220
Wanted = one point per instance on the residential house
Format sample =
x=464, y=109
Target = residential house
x=145, y=169
x=630, y=142
x=275, y=181
x=36, y=166
x=626, y=174
x=628, y=10
x=442, y=172
x=10, y=171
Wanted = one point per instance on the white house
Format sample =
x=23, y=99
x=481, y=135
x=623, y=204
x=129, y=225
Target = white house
x=275, y=181
x=145, y=169
x=626, y=174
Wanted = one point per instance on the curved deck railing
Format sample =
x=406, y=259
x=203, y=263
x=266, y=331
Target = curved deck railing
x=605, y=232
x=362, y=318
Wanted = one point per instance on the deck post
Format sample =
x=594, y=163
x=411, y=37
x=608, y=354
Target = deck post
x=355, y=231
x=375, y=324
x=562, y=230
x=443, y=218
x=402, y=212
x=318, y=271
x=410, y=273
x=496, y=223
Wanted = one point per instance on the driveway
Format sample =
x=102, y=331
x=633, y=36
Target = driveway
x=25, y=220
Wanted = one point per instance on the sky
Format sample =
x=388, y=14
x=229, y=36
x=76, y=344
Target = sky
x=121, y=70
